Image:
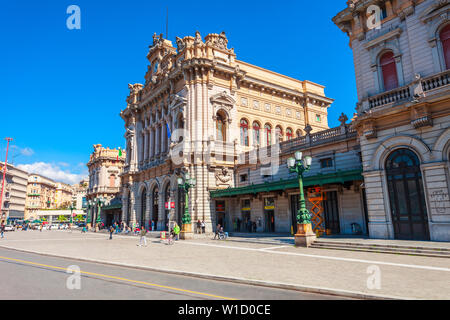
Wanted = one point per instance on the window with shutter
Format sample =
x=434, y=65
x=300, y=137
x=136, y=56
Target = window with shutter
x=445, y=40
x=389, y=71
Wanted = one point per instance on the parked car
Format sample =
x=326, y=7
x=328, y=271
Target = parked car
x=10, y=228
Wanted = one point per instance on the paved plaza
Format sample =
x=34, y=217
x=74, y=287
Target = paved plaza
x=280, y=265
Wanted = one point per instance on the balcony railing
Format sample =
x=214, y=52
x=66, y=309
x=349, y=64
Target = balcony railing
x=341, y=133
x=436, y=81
x=405, y=93
x=396, y=95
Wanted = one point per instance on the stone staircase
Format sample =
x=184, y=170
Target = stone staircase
x=425, y=251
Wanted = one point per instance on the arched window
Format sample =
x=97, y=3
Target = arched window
x=289, y=134
x=298, y=133
x=221, y=127
x=143, y=207
x=279, y=133
x=256, y=135
x=445, y=40
x=268, y=132
x=244, y=132
x=389, y=71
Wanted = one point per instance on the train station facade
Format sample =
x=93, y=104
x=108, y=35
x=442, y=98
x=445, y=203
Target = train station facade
x=232, y=126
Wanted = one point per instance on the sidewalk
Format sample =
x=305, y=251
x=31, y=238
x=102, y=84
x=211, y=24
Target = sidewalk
x=284, y=266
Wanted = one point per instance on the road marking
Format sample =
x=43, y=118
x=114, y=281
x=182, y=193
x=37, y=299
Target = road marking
x=117, y=278
x=324, y=257
x=273, y=248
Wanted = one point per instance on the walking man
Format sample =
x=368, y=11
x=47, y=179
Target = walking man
x=176, y=230
x=111, y=231
x=143, y=237
x=203, y=226
x=2, y=229
x=217, y=231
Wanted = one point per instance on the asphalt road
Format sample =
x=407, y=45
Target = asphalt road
x=35, y=277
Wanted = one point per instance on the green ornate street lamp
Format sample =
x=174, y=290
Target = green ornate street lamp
x=186, y=184
x=304, y=236
x=99, y=202
x=90, y=205
x=71, y=213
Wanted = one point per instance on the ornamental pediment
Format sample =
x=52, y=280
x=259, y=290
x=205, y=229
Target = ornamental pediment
x=223, y=99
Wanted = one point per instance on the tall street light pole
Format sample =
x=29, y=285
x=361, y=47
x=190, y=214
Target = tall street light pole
x=304, y=236
x=188, y=183
x=4, y=175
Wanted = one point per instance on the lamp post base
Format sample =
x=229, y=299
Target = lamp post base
x=186, y=232
x=305, y=236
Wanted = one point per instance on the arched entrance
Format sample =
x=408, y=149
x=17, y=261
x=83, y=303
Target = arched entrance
x=167, y=210
x=143, y=207
x=155, y=204
x=406, y=196
x=127, y=219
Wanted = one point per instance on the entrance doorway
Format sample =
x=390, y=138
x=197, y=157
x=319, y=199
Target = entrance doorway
x=295, y=206
x=406, y=196
x=155, y=205
x=220, y=213
x=331, y=212
x=269, y=214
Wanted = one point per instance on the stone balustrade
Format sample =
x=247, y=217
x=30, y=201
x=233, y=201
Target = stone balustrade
x=437, y=81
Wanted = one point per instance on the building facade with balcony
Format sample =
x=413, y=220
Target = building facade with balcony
x=63, y=195
x=41, y=193
x=79, y=194
x=14, y=194
x=198, y=109
x=105, y=168
x=401, y=52
x=265, y=196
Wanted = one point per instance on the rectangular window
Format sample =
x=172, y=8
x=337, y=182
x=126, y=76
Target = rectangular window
x=318, y=118
x=244, y=177
x=326, y=163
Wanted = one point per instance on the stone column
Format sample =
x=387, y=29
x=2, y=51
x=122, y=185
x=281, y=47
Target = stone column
x=437, y=197
x=158, y=140
x=380, y=224
x=146, y=145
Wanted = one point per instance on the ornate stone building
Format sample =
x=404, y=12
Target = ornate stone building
x=105, y=167
x=401, y=52
x=198, y=110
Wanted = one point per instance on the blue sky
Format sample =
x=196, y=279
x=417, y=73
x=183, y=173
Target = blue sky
x=62, y=90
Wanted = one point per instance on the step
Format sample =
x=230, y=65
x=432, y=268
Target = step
x=424, y=253
x=390, y=246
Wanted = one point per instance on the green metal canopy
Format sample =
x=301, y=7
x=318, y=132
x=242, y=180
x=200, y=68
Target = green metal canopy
x=317, y=180
x=112, y=207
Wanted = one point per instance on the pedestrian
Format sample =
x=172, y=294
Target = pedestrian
x=153, y=226
x=254, y=226
x=249, y=225
x=217, y=231
x=111, y=230
x=143, y=237
x=199, y=226
x=235, y=225
x=83, y=230
x=176, y=230
x=40, y=228
x=203, y=226
x=2, y=229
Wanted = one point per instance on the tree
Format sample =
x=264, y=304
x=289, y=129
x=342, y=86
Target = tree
x=62, y=219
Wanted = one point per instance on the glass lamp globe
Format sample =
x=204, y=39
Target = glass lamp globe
x=187, y=176
x=180, y=181
x=193, y=182
x=308, y=161
x=291, y=162
x=298, y=155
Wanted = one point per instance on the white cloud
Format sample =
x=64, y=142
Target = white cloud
x=27, y=152
x=53, y=172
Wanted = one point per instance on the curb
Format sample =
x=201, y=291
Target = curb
x=260, y=283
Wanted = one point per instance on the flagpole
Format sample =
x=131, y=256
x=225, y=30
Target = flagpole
x=4, y=175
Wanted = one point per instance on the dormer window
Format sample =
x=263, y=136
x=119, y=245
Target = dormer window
x=155, y=66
